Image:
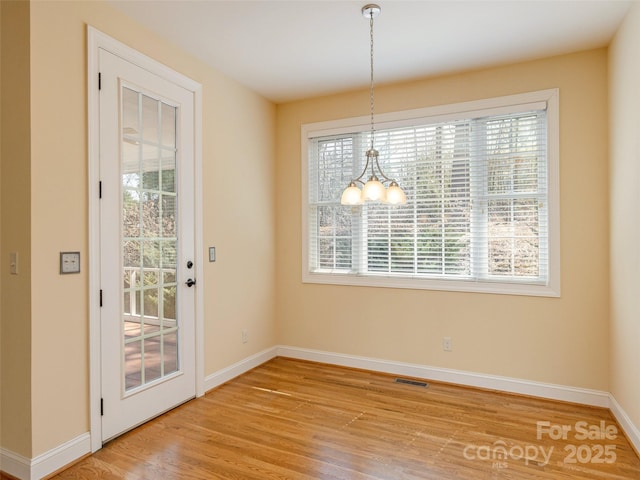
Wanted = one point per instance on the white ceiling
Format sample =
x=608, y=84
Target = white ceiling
x=288, y=50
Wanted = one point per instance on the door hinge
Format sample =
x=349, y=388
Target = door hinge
x=100, y=189
x=102, y=407
x=99, y=81
x=100, y=297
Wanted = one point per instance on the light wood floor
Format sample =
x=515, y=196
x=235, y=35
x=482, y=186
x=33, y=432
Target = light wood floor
x=289, y=419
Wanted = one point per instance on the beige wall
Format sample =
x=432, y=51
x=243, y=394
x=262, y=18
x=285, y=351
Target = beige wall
x=556, y=340
x=15, y=218
x=238, y=289
x=625, y=214
x=2, y=264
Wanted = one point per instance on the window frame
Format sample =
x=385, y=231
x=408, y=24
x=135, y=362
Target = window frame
x=476, y=108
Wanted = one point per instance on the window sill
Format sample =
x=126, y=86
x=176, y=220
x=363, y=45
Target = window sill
x=419, y=283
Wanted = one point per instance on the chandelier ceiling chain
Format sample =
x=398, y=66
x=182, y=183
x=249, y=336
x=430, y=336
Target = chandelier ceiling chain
x=371, y=94
x=374, y=189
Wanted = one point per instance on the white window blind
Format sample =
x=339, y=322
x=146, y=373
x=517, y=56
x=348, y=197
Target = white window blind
x=477, y=200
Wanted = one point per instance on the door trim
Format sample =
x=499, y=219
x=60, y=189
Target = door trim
x=97, y=40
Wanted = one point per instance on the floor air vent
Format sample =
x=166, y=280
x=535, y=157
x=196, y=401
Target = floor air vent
x=415, y=383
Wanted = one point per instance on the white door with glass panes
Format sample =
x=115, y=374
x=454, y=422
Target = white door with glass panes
x=147, y=274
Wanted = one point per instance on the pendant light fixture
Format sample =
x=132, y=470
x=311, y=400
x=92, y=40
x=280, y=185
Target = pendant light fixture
x=374, y=189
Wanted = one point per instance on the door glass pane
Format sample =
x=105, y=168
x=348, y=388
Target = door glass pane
x=168, y=126
x=168, y=171
x=149, y=239
x=150, y=162
x=170, y=353
x=133, y=366
x=150, y=120
x=152, y=358
x=168, y=216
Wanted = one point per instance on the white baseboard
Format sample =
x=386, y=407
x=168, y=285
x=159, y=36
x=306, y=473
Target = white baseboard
x=505, y=384
x=63, y=455
x=631, y=431
x=47, y=463
x=14, y=464
x=228, y=373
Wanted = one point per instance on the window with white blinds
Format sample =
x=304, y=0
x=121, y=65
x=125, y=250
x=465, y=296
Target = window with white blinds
x=481, y=211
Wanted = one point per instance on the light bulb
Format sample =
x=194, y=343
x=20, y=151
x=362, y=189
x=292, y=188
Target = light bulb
x=373, y=190
x=395, y=194
x=351, y=195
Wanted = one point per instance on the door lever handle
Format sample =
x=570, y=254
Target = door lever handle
x=190, y=282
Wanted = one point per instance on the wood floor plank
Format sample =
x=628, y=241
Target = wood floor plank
x=290, y=419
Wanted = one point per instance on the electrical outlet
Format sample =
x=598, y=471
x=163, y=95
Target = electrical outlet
x=446, y=344
x=245, y=336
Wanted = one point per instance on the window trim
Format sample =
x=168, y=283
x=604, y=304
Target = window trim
x=509, y=103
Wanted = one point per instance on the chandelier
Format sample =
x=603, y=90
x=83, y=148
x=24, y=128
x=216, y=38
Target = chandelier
x=374, y=189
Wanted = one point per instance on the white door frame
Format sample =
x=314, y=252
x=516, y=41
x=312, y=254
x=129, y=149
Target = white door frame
x=97, y=40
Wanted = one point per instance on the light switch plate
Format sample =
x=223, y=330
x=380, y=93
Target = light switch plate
x=69, y=262
x=212, y=254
